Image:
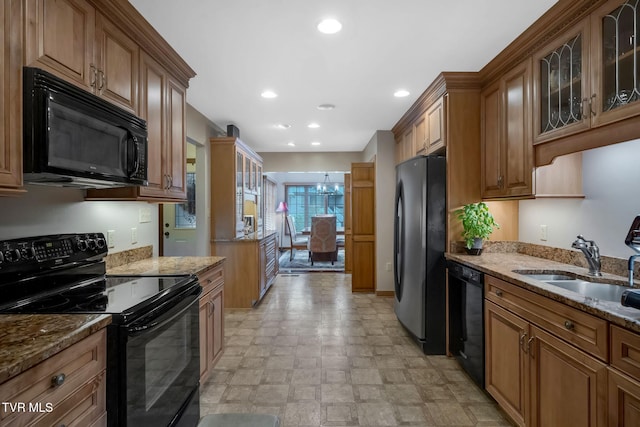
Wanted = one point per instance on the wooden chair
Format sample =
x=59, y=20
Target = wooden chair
x=297, y=241
x=322, y=242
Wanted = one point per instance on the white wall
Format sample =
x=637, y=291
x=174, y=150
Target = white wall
x=611, y=185
x=309, y=162
x=52, y=210
x=381, y=146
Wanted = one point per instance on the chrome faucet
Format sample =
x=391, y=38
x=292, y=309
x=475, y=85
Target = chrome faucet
x=632, y=258
x=591, y=253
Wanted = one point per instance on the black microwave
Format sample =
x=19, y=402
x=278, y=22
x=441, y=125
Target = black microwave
x=73, y=138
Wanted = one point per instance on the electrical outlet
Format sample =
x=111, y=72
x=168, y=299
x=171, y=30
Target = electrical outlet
x=144, y=215
x=111, y=238
x=134, y=235
x=543, y=232
x=387, y=266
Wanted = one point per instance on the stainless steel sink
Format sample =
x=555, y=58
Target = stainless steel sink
x=601, y=291
x=569, y=281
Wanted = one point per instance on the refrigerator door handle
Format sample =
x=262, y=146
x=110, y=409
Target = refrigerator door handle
x=398, y=265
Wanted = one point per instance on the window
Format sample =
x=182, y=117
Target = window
x=304, y=202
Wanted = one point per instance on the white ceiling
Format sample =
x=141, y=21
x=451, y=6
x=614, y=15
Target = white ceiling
x=239, y=48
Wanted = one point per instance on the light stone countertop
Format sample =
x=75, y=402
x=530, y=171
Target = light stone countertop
x=169, y=265
x=28, y=339
x=501, y=265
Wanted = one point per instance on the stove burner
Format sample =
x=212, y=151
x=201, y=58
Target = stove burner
x=51, y=302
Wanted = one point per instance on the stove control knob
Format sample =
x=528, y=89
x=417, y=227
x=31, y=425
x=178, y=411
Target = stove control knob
x=28, y=253
x=12, y=255
x=82, y=245
x=100, y=242
x=91, y=243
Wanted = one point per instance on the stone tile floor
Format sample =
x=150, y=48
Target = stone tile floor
x=315, y=354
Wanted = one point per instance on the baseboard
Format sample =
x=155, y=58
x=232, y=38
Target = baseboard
x=385, y=293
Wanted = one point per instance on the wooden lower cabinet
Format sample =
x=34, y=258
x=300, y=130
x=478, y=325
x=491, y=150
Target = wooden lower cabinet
x=78, y=400
x=211, y=320
x=506, y=362
x=536, y=377
x=624, y=400
x=251, y=267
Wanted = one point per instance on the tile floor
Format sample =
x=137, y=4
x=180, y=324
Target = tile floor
x=315, y=354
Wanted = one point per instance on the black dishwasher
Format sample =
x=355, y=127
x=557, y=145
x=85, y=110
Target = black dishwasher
x=466, y=319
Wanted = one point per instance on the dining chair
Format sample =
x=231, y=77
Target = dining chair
x=322, y=241
x=296, y=241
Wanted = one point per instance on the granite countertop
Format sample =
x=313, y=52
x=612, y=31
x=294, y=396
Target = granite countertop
x=501, y=265
x=28, y=339
x=251, y=237
x=169, y=265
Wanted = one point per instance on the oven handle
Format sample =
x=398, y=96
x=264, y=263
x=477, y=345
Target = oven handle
x=142, y=327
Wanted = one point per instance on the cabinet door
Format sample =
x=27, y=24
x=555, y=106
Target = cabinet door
x=492, y=179
x=568, y=387
x=518, y=147
x=118, y=58
x=616, y=80
x=10, y=90
x=408, y=146
x=205, y=332
x=152, y=108
x=506, y=362
x=399, y=152
x=217, y=321
x=435, y=119
x=624, y=400
x=239, y=191
x=561, y=85
x=176, y=142
x=420, y=135
x=60, y=37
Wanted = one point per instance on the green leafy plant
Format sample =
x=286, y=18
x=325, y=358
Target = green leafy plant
x=477, y=222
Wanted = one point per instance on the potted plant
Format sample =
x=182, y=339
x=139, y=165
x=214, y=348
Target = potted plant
x=477, y=224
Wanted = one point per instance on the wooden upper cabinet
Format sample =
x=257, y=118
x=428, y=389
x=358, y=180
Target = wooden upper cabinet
x=70, y=39
x=420, y=135
x=507, y=149
x=11, y=107
x=117, y=59
x=561, y=85
x=176, y=140
x=60, y=38
x=435, y=126
x=615, y=60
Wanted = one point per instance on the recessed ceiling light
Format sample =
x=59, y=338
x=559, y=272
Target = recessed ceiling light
x=401, y=93
x=282, y=126
x=329, y=26
x=269, y=94
x=315, y=143
x=326, y=107
x=313, y=126
x=291, y=144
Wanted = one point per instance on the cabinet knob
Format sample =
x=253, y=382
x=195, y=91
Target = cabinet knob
x=568, y=324
x=498, y=292
x=58, y=380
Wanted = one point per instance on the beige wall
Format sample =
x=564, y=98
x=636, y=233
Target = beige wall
x=309, y=161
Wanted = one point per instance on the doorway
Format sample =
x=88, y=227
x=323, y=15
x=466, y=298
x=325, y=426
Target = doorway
x=178, y=222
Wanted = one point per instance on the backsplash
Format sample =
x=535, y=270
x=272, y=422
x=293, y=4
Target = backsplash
x=125, y=257
x=611, y=265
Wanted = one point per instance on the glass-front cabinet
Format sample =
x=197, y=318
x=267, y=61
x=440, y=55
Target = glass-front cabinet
x=618, y=58
x=590, y=75
x=239, y=222
x=561, y=84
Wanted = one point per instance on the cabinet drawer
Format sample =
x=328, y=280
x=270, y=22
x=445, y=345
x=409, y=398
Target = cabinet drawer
x=625, y=351
x=79, y=399
x=586, y=332
x=211, y=278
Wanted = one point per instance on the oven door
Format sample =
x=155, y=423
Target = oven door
x=162, y=365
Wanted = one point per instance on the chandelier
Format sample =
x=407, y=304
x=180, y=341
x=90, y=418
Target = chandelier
x=327, y=187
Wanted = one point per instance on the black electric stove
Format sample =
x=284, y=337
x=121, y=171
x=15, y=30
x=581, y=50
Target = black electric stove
x=152, y=315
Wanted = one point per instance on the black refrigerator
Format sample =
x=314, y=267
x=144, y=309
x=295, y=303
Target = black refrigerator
x=419, y=246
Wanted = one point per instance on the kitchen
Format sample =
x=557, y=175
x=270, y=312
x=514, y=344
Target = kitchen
x=603, y=170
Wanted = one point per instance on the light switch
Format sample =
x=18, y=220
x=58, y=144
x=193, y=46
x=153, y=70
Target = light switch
x=134, y=235
x=543, y=232
x=111, y=238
